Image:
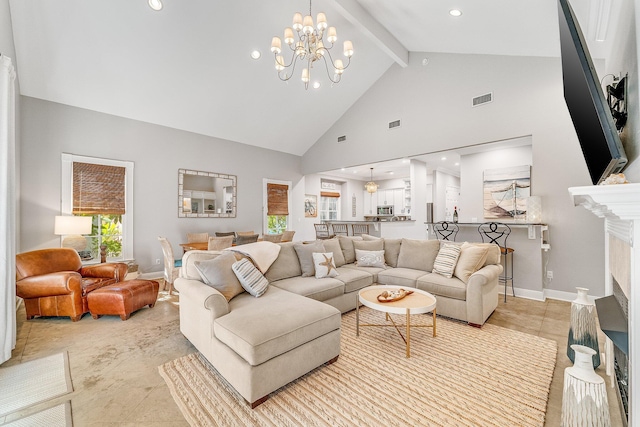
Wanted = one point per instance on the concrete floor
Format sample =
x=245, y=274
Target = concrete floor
x=114, y=364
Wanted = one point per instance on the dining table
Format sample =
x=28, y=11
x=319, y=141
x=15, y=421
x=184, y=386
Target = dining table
x=201, y=246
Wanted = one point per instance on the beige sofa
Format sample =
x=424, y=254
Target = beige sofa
x=261, y=344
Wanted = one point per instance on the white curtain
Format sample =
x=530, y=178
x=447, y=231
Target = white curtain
x=7, y=208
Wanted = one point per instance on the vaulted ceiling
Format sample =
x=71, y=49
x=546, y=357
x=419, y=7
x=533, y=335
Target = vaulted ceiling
x=188, y=66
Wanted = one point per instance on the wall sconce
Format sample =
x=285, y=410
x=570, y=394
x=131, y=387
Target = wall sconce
x=72, y=227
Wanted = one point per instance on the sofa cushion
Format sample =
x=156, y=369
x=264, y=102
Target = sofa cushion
x=370, y=258
x=446, y=260
x=418, y=254
x=218, y=273
x=333, y=245
x=354, y=279
x=286, y=265
x=305, y=256
x=349, y=252
x=472, y=258
x=405, y=277
x=189, y=259
x=261, y=329
x=317, y=289
x=324, y=265
x=493, y=255
x=439, y=285
x=373, y=271
x=250, y=277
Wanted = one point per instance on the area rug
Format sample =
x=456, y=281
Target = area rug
x=463, y=377
x=33, y=382
x=56, y=416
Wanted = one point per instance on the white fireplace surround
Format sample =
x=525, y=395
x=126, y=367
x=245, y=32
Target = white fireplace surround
x=619, y=205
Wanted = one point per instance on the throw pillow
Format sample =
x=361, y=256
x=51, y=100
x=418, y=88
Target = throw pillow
x=369, y=245
x=369, y=237
x=250, y=277
x=370, y=258
x=324, y=265
x=333, y=245
x=305, y=256
x=218, y=274
x=392, y=251
x=418, y=254
x=446, y=260
x=472, y=258
x=346, y=243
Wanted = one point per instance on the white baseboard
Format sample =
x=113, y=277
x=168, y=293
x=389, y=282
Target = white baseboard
x=543, y=295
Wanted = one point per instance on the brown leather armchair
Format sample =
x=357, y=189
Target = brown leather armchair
x=53, y=282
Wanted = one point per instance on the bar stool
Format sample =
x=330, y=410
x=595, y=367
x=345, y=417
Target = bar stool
x=340, y=229
x=322, y=231
x=445, y=230
x=360, y=229
x=497, y=232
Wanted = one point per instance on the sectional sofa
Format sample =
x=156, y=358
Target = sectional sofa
x=260, y=344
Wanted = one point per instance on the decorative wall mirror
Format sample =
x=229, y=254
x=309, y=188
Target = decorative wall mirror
x=206, y=194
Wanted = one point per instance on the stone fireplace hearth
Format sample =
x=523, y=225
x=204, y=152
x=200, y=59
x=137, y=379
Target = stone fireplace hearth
x=619, y=205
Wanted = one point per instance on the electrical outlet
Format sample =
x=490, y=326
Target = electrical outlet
x=550, y=275
x=157, y=261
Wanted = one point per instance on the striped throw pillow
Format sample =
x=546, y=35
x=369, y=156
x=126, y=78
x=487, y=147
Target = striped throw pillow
x=446, y=260
x=250, y=277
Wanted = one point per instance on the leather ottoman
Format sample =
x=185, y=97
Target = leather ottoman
x=123, y=298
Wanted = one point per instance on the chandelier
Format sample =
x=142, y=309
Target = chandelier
x=371, y=186
x=309, y=48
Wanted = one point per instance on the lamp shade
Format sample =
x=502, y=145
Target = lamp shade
x=534, y=209
x=72, y=225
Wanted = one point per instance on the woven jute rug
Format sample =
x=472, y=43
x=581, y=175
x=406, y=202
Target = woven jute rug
x=463, y=377
x=33, y=382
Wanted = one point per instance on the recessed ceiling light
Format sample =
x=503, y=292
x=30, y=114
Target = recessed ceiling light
x=255, y=54
x=155, y=4
x=455, y=12
x=457, y=164
x=390, y=172
x=355, y=171
x=316, y=84
x=443, y=158
x=405, y=160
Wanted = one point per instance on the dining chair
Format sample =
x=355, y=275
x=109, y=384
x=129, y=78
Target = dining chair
x=197, y=237
x=171, y=265
x=220, y=243
x=322, y=231
x=497, y=232
x=287, y=236
x=340, y=229
x=226, y=233
x=275, y=238
x=360, y=229
x=445, y=230
x=245, y=233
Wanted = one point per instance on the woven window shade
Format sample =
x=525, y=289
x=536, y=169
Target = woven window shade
x=277, y=199
x=98, y=189
x=329, y=194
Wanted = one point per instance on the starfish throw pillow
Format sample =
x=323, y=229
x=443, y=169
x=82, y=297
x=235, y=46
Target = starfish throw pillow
x=324, y=264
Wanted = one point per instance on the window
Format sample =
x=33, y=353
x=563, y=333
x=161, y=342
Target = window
x=102, y=189
x=277, y=201
x=329, y=206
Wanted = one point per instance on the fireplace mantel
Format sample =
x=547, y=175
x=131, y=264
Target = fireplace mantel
x=619, y=205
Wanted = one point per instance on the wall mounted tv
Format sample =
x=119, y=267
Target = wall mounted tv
x=588, y=107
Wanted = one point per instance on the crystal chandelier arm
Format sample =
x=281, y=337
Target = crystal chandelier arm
x=333, y=64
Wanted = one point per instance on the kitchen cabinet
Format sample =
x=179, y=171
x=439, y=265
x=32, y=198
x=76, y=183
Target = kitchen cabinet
x=370, y=203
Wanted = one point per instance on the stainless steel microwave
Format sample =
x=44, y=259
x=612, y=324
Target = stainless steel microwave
x=385, y=210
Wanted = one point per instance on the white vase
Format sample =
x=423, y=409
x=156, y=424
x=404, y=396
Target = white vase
x=584, y=397
x=583, y=329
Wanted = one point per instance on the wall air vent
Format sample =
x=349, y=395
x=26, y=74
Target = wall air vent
x=395, y=124
x=342, y=138
x=482, y=99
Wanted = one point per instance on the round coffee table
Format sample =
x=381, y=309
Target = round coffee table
x=419, y=302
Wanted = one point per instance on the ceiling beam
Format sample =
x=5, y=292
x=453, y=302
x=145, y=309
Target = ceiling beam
x=358, y=16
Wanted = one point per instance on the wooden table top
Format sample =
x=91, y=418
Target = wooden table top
x=202, y=246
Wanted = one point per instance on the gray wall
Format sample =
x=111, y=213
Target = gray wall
x=6, y=32
x=434, y=104
x=49, y=129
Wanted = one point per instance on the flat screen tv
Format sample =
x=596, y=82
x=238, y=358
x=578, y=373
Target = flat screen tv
x=588, y=107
